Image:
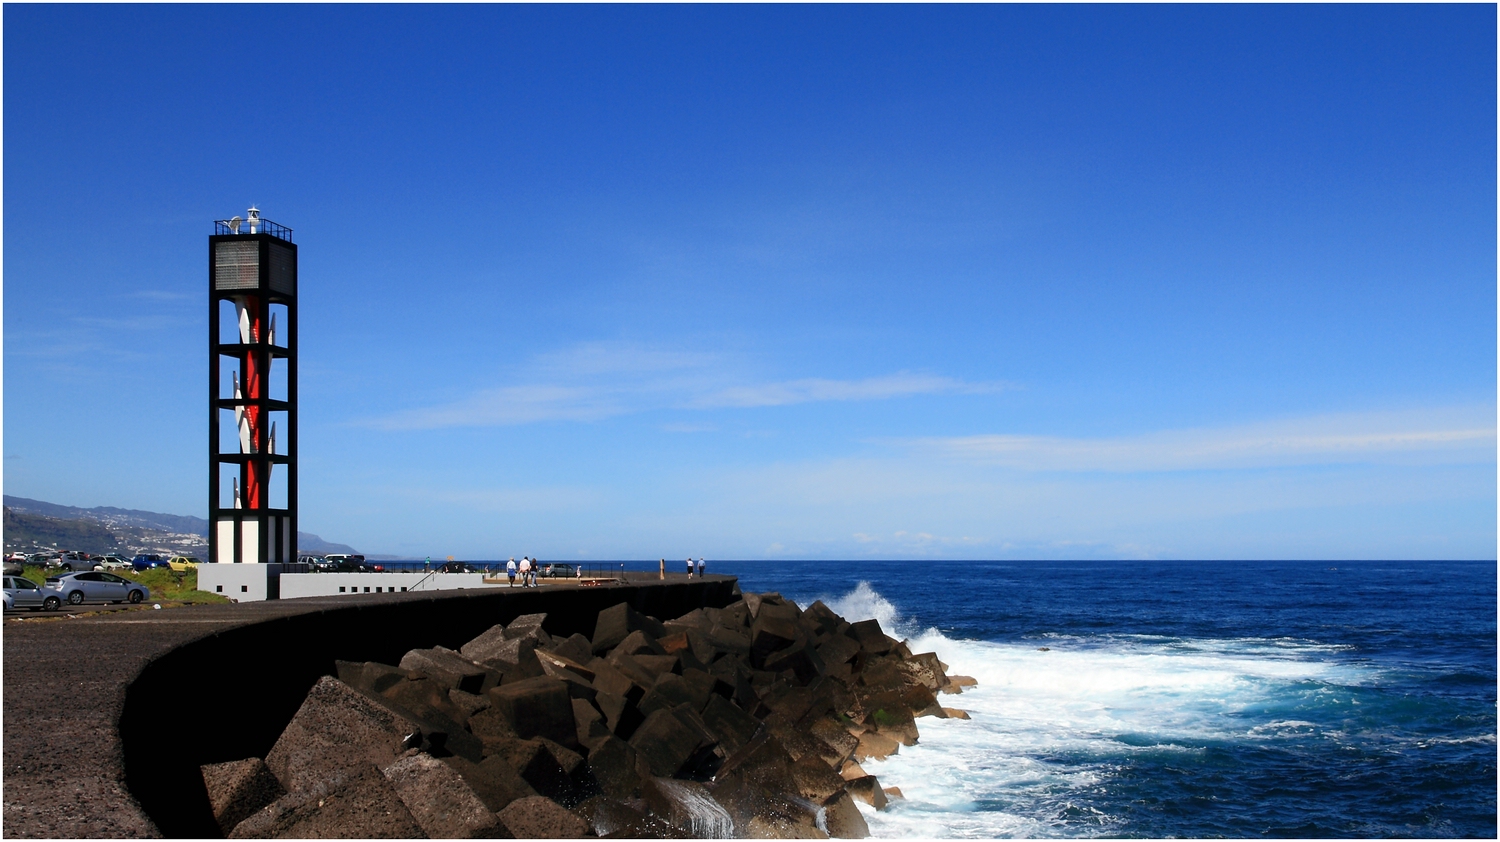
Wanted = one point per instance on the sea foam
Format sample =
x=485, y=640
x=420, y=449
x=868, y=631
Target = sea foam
x=1051, y=729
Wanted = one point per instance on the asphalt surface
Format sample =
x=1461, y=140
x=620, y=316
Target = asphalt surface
x=65, y=679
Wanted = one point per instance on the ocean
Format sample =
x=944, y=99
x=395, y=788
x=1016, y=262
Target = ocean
x=1185, y=699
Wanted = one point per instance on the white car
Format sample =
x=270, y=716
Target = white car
x=93, y=586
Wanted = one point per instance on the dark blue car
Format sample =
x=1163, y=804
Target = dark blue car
x=146, y=561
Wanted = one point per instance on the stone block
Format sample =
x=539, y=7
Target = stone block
x=688, y=806
x=752, y=604
x=882, y=674
x=613, y=765
x=579, y=687
x=664, y=742
x=875, y=746
x=669, y=691
x=815, y=780
x=530, y=626
x=440, y=800
x=615, y=623
x=838, y=649
x=335, y=729
x=634, y=669
x=893, y=792
x=867, y=789
x=801, y=660
x=575, y=648
x=427, y=705
x=697, y=618
x=556, y=659
x=657, y=664
x=537, y=766
x=611, y=818
x=870, y=637
x=492, y=723
x=494, y=781
x=955, y=713
x=467, y=703
x=733, y=616
x=894, y=720
x=482, y=648
x=541, y=818
x=238, y=789
x=446, y=667
x=732, y=727
x=852, y=771
x=589, y=722
x=732, y=642
x=621, y=715
x=770, y=634
x=918, y=699
x=843, y=819
x=927, y=670
x=538, y=707
x=370, y=677
x=832, y=733
x=359, y=803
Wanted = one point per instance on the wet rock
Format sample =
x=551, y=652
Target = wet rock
x=815, y=781
x=688, y=806
x=440, y=800
x=733, y=726
x=955, y=713
x=843, y=819
x=238, y=789
x=589, y=723
x=613, y=764
x=610, y=818
x=541, y=818
x=870, y=638
x=575, y=647
x=875, y=746
x=867, y=789
x=538, y=766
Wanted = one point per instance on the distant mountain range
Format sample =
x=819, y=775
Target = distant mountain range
x=37, y=524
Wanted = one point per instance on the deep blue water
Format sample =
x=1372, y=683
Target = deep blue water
x=1199, y=699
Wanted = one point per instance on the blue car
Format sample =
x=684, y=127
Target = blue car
x=146, y=561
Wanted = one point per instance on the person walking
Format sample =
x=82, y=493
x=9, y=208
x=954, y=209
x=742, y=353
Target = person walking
x=510, y=570
x=700, y=568
x=525, y=569
x=663, y=573
x=690, y=568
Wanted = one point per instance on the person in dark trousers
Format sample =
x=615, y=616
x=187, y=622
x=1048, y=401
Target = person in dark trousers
x=690, y=568
x=700, y=568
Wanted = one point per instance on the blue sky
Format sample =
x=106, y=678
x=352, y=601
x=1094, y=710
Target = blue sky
x=767, y=281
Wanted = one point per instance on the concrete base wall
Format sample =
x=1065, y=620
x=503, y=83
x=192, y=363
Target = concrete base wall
x=294, y=585
x=246, y=582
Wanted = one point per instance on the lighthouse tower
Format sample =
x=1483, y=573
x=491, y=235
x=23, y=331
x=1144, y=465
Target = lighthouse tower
x=252, y=392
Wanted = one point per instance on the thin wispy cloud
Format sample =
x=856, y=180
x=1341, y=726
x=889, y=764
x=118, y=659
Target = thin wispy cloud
x=593, y=381
x=1433, y=437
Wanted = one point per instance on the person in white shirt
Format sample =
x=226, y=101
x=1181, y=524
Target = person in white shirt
x=690, y=568
x=510, y=571
x=525, y=569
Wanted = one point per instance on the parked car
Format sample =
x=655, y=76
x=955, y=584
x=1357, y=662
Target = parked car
x=558, y=570
x=458, y=567
x=72, y=560
x=146, y=561
x=94, y=586
x=345, y=563
x=183, y=563
x=317, y=563
x=23, y=593
x=111, y=561
x=15, y=568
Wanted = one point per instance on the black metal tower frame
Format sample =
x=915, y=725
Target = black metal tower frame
x=267, y=294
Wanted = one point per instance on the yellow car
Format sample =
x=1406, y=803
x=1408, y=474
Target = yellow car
x=182, y=563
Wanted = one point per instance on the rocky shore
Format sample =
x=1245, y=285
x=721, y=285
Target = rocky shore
x=746, y=721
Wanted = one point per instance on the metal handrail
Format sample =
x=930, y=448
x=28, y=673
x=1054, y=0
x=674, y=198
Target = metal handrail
x=263, y=226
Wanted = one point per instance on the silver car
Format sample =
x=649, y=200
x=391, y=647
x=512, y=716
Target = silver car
x=24, y=593
x=95, y=586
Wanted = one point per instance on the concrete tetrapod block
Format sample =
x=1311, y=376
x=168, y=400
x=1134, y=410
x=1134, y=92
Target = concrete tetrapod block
x=867, y=789
x=482, y=648
x=526, y=625
x=874, y=745
x=447, y=667
x=815, y=781
x=238, y=789
x=870, y=637
x=440, y=800
x=493, y=780
x=687, y=805
x=610, y=818
x=336, y=728
x=732, y=726
x=362, y=804
x=843, y=819
x=617, y=622
x=541, y=818
x=538, y=707
x=614, y=765
x=664, y=742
